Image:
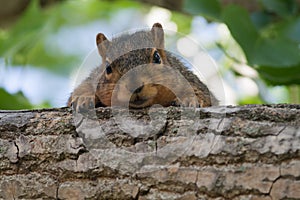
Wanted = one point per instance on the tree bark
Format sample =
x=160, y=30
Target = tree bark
x=225, y=152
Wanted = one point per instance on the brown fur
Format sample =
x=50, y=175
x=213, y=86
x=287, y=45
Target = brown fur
x=129, y=73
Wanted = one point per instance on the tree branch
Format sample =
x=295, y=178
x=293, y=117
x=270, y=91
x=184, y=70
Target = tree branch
x=219, y=152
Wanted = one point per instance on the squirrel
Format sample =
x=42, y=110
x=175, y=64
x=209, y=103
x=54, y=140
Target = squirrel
x=137, y=71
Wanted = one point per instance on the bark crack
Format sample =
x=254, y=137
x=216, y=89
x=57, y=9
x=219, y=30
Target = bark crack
x=273, y=182
x=219, y=124
x=212, y=144
x=56, y=194
x=280, y=131
x=18, y=151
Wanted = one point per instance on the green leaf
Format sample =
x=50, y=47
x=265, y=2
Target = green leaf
x=183, y=22
x=13, y=101
x=25, y=32
x=210, y=9
x=280, y=76
x=272, y=51
x=39, y=56
x=260, y=19
x=281, y=7
x=250, y=100
x=276, y=52
x=240, y=26
x=290, y=29
x=260, y=48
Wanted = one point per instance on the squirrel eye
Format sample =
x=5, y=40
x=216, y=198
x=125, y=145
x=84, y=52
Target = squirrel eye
x=156, y=58
x=108, y=68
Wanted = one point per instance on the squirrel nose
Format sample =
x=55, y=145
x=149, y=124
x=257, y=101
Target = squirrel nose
x=138, y=90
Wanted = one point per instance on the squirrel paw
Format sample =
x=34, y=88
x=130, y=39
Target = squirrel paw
x=187, y=102
x=83, y=103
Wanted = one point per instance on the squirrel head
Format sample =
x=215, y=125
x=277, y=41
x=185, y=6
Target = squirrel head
x=124, y=54
x=142, y=46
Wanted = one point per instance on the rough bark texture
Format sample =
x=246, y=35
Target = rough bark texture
x=247, y=152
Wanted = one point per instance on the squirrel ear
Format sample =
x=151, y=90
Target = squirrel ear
x=102, y=43
x=158, y=35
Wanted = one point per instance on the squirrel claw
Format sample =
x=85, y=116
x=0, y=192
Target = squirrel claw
x=83, y=103
x=187, y=102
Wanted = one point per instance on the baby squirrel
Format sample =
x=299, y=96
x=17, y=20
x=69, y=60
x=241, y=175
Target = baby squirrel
x=138, y=72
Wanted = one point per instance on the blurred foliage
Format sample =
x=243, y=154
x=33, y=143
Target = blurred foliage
x=24, y=43
x=269, y=38
x=13, y=101
x=183, y=22
x=250, y=100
